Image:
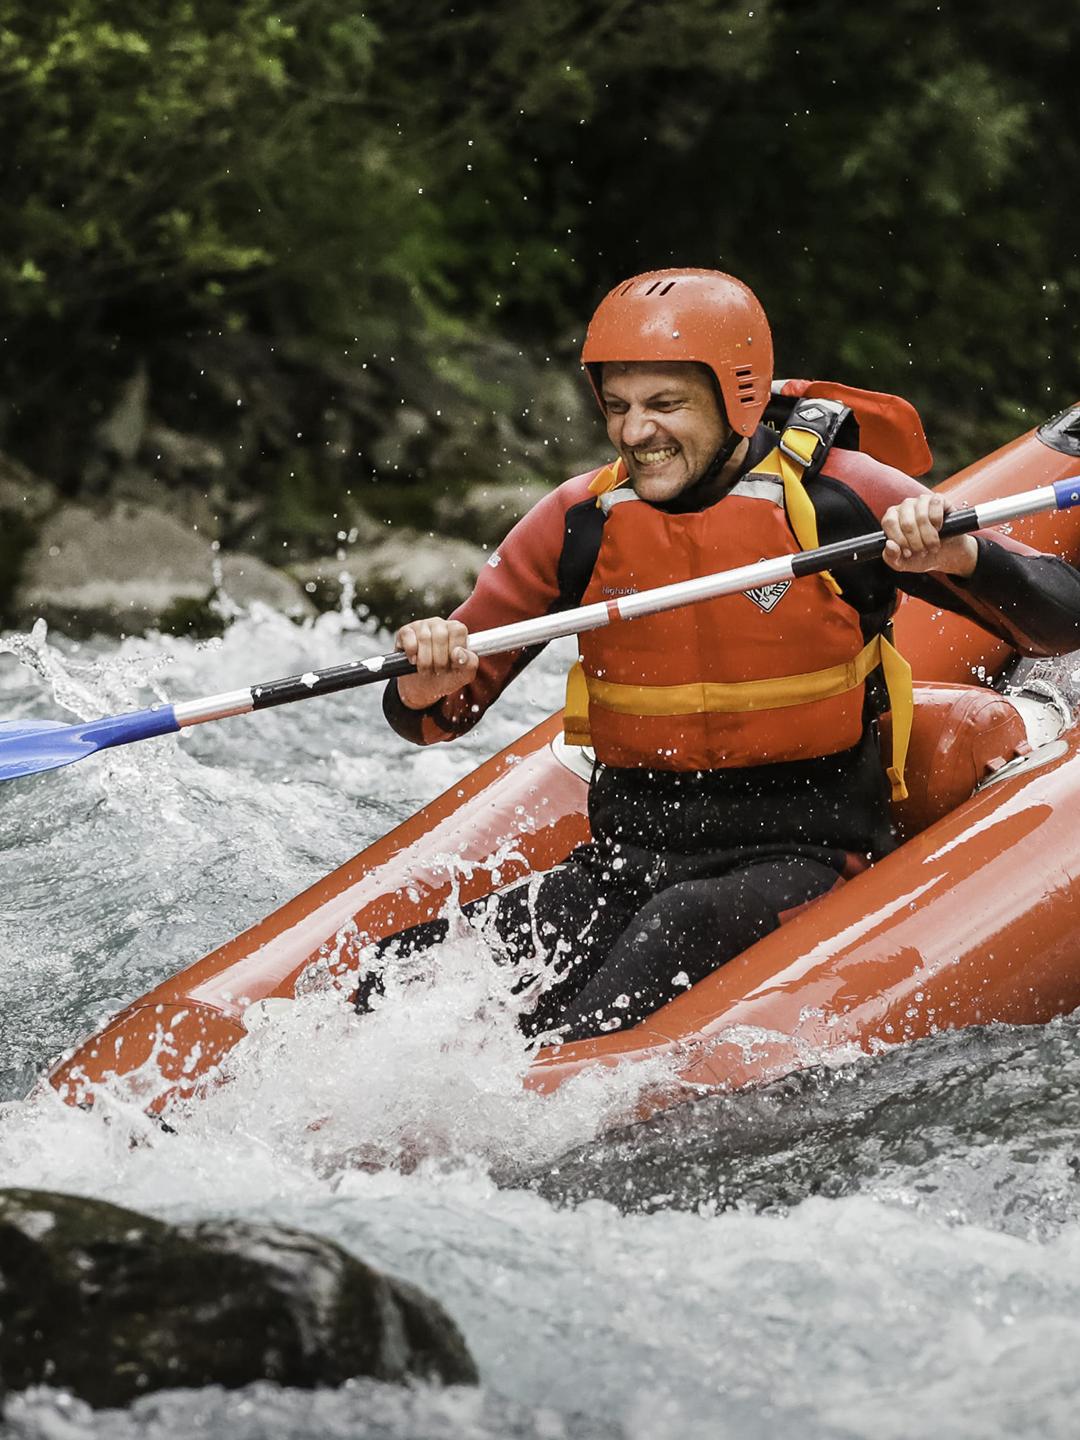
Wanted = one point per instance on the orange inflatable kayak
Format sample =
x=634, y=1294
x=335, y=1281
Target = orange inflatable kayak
x=972, y=919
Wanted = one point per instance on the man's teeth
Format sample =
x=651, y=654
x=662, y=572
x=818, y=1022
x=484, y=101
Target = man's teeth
x=654, y=457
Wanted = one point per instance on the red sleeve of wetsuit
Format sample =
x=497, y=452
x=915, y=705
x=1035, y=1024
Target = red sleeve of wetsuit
x=520, y=580
x=1030, y=599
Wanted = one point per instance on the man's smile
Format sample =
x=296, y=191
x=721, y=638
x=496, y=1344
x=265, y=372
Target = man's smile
x=654, y=456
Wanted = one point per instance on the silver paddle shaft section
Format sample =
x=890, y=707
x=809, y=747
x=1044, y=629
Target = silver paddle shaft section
x=214, y=707
x=1031, y=502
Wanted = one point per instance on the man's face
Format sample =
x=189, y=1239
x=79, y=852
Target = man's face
x=664, y=419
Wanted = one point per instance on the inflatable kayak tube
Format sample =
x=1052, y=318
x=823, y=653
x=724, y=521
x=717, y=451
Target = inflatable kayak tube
x=973, y=918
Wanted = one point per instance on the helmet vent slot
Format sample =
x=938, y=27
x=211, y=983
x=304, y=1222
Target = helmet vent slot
x=744, y=383
x=667, y=287
x=655, y=285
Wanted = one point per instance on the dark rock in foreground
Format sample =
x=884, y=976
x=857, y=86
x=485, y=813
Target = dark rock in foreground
x=112, y=1304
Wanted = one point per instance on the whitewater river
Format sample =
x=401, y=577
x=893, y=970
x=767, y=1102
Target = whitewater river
x=889, y=1249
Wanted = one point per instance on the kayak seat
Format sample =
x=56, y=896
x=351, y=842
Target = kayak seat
x=960, y=735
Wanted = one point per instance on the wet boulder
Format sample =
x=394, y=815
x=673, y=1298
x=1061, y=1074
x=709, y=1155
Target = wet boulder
x=129, y=568
x=247, y=580
x=25, y=501
x=96, y=570
x=112, y=1305
x=487, y=513
x=403, y=576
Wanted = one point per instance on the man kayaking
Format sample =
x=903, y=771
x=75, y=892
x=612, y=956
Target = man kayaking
x=738, y=770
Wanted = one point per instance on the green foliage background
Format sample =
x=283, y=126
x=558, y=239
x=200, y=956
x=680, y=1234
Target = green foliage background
x=303, y=189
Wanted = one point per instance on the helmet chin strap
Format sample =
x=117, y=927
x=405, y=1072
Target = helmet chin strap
x=719, y=460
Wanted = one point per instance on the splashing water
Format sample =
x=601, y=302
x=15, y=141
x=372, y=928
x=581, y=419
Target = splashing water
x=880, y=1250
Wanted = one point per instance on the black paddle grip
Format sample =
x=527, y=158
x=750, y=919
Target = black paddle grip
x=869, y=547
x=329, y=681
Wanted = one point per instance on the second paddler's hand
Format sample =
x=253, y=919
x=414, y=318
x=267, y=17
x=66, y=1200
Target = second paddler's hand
x=914, y=544
x=444, y=663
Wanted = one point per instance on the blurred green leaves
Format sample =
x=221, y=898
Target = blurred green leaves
x=898, y=183
x=151, y=150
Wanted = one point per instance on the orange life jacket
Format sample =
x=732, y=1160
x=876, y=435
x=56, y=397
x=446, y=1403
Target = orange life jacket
x=724, y=682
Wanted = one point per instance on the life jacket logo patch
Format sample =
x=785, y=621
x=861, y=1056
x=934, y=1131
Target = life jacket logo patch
x=767, y=597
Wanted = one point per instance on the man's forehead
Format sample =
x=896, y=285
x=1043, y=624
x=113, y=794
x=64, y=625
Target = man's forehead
x=652, y=374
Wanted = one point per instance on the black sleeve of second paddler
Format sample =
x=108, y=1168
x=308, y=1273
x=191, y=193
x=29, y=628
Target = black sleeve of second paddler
x=1030, y=600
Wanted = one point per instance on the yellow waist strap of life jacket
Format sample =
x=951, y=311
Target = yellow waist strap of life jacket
x=741, y=697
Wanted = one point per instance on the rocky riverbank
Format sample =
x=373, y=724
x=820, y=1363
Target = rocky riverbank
x=289, y=481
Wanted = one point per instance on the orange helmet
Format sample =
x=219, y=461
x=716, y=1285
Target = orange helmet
x=697, y=315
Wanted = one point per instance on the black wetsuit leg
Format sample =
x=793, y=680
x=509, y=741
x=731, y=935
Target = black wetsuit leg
x=566, y=919
x=614, y=945
x=564, y=929
x=681, y=935
x=563, y=922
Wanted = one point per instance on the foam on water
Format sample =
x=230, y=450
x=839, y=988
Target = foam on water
x=883, y=1250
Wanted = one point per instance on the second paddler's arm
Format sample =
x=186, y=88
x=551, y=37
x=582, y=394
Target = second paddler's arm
x=1030, y=599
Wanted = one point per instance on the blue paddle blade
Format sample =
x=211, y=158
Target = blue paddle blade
x=45, y=745
x=30, y=747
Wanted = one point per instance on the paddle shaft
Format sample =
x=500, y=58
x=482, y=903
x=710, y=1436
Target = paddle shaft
x=543, y=628
x=27, y=749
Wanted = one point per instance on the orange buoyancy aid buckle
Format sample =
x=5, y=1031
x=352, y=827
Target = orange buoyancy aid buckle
x=608, y=478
